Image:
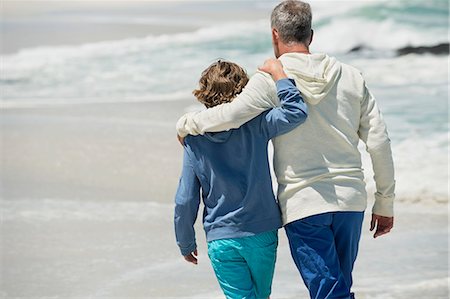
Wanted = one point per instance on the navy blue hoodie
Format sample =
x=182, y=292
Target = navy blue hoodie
x=231, y=169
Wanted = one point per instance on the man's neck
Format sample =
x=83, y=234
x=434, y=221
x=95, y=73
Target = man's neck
x=294, y=48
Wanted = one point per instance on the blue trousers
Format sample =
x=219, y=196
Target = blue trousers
x=324, y=248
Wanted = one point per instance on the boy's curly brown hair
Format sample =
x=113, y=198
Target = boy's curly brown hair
x=220, y=83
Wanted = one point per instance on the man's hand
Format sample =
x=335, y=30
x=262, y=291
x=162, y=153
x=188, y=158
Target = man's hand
x=383, y=225
x=274, y=68
x=192, y=257
x=180, y=140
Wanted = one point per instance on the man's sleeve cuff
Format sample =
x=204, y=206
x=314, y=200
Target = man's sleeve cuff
x=384, y=205
x=180, y=126
x=186, y=125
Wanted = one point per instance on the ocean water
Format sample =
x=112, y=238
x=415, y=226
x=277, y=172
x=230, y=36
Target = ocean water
x=412, y=90
x=76, y=245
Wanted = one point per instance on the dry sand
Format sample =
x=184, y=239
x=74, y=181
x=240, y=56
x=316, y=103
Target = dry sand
x=123, y=151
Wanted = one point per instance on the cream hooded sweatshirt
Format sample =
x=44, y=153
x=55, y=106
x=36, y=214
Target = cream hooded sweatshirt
x=317, y=165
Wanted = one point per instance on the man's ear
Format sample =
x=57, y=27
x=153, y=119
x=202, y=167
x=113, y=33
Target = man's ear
x=276, y=42
x=275, y=36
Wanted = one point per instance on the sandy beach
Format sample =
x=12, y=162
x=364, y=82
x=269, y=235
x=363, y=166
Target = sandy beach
x=100, y=225
x=91, y=92
x=116, y=151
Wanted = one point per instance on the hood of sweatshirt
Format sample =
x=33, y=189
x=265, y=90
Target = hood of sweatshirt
x=314, y=74
x=219, y=137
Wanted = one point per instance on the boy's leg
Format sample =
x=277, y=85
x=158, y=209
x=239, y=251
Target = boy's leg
x=231, y=269
x=260, y=253
x=347, y=233
x=314, y=252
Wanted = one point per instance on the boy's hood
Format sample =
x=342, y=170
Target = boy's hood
x=314, y=74
x=219, y=137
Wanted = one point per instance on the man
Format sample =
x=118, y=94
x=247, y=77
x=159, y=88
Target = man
x=321, y=189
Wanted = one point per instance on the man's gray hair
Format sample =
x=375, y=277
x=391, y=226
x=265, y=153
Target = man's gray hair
x=292, y=19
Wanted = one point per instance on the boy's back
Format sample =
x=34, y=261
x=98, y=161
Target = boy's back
x=233, y=170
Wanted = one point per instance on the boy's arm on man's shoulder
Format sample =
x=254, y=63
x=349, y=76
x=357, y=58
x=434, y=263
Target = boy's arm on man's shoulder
x=373, y=132
x=292, y=112
x=187, y=201
x=258, y=95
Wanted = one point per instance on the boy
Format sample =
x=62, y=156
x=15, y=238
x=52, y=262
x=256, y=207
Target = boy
x=241, y=216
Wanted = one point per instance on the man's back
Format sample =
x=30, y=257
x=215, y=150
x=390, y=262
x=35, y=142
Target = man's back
x=319, y=164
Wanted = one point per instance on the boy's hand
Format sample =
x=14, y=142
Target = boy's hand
x=274, y=68
x=383, y=225
x=192, y=257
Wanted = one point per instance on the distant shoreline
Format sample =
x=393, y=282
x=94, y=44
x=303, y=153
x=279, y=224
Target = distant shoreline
x=32, y=35
x=49, y=23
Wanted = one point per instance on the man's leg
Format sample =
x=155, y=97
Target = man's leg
x=314, y=252
x=347, y=233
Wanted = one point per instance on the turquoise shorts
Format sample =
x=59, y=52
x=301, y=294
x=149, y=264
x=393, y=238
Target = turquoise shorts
x=244, y=266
